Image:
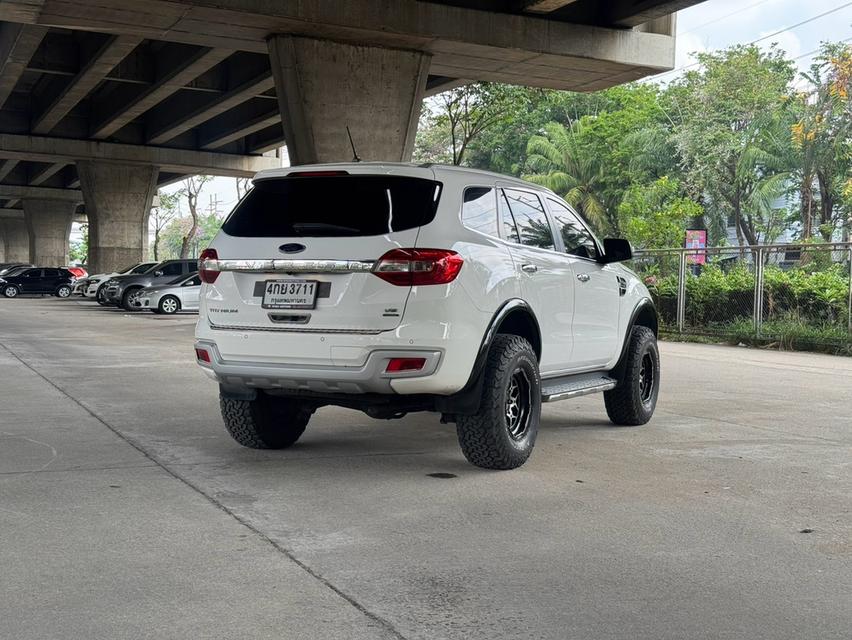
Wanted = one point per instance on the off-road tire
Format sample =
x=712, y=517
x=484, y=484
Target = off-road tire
x=266, y=422
x=625, y=404
x=125, y=299
x=485, y=437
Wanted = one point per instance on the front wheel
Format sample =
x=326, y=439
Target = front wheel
x=100, y=296
x=63, y=291
x=10, y=291
x=267, y=422
x=632, y=402
x=126, y=298
x=501, y=435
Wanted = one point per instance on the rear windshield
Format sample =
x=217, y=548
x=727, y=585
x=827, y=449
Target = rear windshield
x=331, y=206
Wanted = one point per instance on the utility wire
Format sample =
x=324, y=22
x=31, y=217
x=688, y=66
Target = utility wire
x=724, y=17
x=762, y=38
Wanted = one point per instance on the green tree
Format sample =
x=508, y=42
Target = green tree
x=166, y=210
x=192, y=187
x=78, y=251
x=727, y=108
x=656, y=216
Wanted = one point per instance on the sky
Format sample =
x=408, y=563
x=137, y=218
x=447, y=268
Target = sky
x=710, y=25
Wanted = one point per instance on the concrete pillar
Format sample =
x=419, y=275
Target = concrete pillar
x=325, y=86
x=49, y=228
x=118, y=201
x=16, y=240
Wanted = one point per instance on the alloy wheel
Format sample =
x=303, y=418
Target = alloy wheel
x=518, y=404
x=647, y=378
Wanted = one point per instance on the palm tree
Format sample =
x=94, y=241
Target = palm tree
x=557, y=161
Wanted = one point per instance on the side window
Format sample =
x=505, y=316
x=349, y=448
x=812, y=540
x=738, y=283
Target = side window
x=479, y=210
x=52, y=273
x=32, y=273
x=577, y=240
x=530, y=219
x=193, y=282
x=172, y=269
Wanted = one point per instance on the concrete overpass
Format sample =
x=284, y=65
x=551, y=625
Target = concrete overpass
x=102, y=101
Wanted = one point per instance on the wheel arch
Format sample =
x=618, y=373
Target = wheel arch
x=644, y=315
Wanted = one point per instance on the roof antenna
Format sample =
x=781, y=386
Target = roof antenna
x=355, y=157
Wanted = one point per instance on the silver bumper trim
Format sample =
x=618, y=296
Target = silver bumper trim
x=288, y=266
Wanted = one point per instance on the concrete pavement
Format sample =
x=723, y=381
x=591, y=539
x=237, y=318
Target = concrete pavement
x=127, y=511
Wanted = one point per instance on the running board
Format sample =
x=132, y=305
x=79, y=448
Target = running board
x=573, y=386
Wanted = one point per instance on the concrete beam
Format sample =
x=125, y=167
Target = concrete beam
x=6, y=168
x=18, y=43
x=244, y=120
x=630, y=13
x=179, y=75
x=113, y=51
x=480, y=45
x=48, y=172
x=542, y=6
x=439, y=84
x=15, y=192
x=220, y=104
x=47, y=149
x=325, y=86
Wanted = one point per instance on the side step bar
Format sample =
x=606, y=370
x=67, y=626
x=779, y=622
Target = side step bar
x=564, y=387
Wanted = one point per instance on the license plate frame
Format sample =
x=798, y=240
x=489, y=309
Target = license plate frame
x=310, y=296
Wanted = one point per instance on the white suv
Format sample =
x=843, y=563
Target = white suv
x=393, y=288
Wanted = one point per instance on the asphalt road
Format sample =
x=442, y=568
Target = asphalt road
x=127, y=512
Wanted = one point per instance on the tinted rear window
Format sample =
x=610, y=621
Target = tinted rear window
x=333, y=206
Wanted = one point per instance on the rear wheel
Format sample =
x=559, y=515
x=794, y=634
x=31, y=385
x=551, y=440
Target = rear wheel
x=126, y=297
x=63, y=291
x=632, y=402
x=10, y=291
x=267, y=422
x=501, y=435
x=168, y=305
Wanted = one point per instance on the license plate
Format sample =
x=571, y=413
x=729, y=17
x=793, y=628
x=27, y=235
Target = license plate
x=290, y=294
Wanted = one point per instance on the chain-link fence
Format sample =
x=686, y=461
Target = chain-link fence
x=799, y=296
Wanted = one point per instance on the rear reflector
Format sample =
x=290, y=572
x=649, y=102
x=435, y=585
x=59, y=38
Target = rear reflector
x=396, y=365
x=202, y=354
x=207, y=266
x=416, y=267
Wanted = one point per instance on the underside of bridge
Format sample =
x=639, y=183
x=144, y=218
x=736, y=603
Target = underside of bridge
x=102, y=101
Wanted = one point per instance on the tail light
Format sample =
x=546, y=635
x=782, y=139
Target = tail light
x=202, y=355
x=416, y=267
x=208, y=266
x=398, y=365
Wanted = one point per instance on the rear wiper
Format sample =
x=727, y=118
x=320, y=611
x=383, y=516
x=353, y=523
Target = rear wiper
x=324, y=226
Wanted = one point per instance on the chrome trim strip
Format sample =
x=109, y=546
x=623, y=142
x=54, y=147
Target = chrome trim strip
x=363, y=332
x=289, y=266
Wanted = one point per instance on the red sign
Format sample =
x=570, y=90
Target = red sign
x=696, y=239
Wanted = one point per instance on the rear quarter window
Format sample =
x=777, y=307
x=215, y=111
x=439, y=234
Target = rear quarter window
x=334, y=206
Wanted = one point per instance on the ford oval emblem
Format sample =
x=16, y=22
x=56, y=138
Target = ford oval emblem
x=292, y=247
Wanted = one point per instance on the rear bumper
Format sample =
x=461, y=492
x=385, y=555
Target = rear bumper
x=370, y=377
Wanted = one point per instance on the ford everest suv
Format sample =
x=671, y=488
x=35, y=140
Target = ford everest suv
x=393, y=288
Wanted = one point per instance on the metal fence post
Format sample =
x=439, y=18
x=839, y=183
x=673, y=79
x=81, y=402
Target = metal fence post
x=681, y=292
x=849, y=302
x=758, y=292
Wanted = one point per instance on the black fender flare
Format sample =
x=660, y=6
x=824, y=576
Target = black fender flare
x=645, y=305
x=467, y=399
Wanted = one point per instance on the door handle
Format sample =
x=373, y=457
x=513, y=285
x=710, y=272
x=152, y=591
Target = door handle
x=529, y=268
x=583, y=277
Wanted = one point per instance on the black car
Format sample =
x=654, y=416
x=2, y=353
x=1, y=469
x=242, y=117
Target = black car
x=37, y=280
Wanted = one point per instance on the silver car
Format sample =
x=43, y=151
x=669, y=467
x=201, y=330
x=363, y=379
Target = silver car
x=180, y=294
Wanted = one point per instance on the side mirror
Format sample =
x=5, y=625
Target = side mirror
x=616, y=250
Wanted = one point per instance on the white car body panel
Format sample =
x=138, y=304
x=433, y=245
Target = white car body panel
x=583, y=324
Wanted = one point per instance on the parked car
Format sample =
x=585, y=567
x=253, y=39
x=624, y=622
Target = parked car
x=37, y=280
x=6, y=267
x=393, y=288
x=181, y=294
x=89, y=287
x=120, y=289
x=78, y=272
